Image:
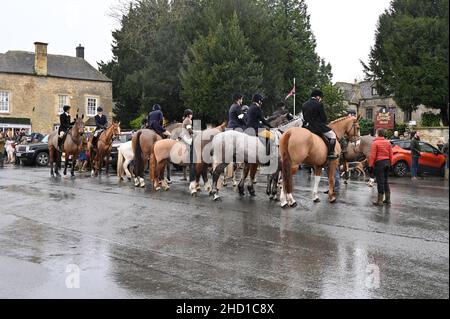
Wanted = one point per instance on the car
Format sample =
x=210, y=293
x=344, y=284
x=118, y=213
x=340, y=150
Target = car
x=33, y=154
x=432, y=161
x=122, y=138
x=35, y=137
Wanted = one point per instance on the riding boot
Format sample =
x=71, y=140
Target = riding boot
x=387, y=199
x=267, y=146
x=60, y=143
x=379, y=201
x=331, y=149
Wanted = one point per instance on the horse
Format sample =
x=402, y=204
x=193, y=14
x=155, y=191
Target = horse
x=177, y=152
x=103, y=151
x=356, y=151
x=273, y=180
x=142, y=144
x=72, y=146
x=299, y=145
x=125, y=156
x=239, y=147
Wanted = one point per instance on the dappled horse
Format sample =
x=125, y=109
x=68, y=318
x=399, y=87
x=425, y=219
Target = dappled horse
x=300, y=146
x=177, y=152
x=239, y=147
x=102, y=153
x=143, y=142
x=72, y=147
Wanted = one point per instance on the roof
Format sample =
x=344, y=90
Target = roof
x=61, y=66
x=366, y=89
x=352, y=92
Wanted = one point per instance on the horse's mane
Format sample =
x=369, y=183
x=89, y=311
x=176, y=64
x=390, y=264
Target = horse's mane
x=341, y=119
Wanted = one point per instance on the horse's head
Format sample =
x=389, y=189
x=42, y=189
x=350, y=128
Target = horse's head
x=79, y=124
x=116, y=128
x=347, y=127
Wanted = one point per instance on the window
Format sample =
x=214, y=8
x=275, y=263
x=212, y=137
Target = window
x=408, y=117
x=369, y=114
x=425, y=148
x=374, y=91
x=4, y=102
x=62, y=100
x=91, y=106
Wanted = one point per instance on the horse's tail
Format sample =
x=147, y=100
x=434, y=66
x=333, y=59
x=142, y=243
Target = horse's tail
x=286, y=161
x=138, y=160
x=153, y=164
x=120, y=161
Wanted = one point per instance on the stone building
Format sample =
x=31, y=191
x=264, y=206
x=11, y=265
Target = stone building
x=34, y=87
x=364, y=99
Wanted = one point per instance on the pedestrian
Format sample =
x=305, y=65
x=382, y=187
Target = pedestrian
x=381, y=160
x=2, y=149
x=440, y=144
x=415, y=154
x=445, y=151
x=396, y=136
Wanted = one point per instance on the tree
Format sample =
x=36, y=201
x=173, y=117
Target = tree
x=410, y=56
x=216, y=66
x=333, y=102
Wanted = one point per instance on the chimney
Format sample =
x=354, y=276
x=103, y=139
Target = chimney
x=40, y=58
x=80, y=52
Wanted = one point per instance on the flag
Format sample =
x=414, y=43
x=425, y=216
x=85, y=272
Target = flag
x=292, y=93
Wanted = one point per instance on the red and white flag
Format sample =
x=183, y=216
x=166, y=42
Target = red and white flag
x=292, y=93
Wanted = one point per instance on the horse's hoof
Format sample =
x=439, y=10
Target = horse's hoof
x=270, y=197
x=194, y=194
x=211, y=193
x=217, y=198
x=316, y=200
x=284, y=205
x=293, y=205
x=169, y=182
x=333, y=200
x=129, y=179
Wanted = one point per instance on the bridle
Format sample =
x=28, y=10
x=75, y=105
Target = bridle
x=354, y=137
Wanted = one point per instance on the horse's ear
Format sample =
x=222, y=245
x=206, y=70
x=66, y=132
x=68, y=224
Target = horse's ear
x=76, y=116
x=82, y=117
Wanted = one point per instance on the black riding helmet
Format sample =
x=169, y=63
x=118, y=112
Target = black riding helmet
x=66, y=108
x=188, y=112
x=258, y=98
x=157, y=107
x=317, y=92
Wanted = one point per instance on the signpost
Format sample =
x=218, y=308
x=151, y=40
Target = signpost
x=385, y=120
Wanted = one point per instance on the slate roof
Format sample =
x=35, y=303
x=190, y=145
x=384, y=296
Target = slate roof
x=352, y=92
x=61, y=66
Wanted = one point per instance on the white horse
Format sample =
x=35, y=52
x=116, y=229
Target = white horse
x=124, y=157
x=10, y=148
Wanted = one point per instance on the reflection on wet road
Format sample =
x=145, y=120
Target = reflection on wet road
x=132, y=243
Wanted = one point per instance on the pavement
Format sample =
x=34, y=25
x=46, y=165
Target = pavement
x=103, y=238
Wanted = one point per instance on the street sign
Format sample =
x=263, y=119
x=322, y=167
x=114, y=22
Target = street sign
x=385, y=120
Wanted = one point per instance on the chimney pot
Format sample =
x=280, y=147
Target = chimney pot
x=80, y=52
x=40, y=58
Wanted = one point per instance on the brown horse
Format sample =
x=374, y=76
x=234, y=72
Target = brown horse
x=177, y=152
x=102, y=153
x=143, y=143
x=72, y=147
x=299, y=145
x=356, y=151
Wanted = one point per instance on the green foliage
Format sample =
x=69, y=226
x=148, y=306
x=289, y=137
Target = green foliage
x=430, y=119
x=216, y=66
x=333, y=102
x=366, y=127
x=161, y=45
x=137, y=122
x=410, y=56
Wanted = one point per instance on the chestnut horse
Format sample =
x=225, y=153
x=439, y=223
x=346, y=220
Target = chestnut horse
x=72, y=147
x=143, y=143
x=102, y=153
x=177, y=152
x=299, y=145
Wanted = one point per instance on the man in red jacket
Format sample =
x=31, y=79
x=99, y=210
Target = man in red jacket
x=381, y=159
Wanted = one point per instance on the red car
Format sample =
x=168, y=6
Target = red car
x=431, y=161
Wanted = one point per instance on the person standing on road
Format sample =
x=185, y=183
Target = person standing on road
x=415, y=153
x=381, y=160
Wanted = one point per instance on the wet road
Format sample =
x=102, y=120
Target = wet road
x=132, y=243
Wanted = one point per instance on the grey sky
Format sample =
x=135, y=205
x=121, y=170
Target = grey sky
x=344, y=29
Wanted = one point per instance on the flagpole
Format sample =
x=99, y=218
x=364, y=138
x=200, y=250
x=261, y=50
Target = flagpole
x=295, y=91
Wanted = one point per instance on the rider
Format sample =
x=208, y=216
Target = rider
x=235, y=115
x=155, y=119
x=255, y=115
x=64, y=126
x=316, y=120
x=101, y=124
x=187, y=130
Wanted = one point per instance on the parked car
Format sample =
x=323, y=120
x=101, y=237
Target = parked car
x=122, y=138
x=33, y=154
x=432, y=161
x=35, y=137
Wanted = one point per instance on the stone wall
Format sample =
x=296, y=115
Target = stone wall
x=36, y=98
x=433, y=134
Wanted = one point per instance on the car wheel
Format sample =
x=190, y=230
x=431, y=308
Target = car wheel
x=42, y=159
x=401, y=169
